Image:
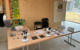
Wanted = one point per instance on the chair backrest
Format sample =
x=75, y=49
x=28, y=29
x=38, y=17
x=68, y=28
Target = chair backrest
x=37, y=25
x=45, y=19
x=45, y=23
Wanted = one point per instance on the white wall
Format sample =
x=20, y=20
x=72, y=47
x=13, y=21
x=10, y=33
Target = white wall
x=59, y=16
x=3, y=34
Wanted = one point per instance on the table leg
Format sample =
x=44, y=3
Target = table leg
x=69, y=42
x=71, y=39
x=27, y=47
x=23, y=48
x=68, y=38
x=75, y=40
x=38, y=46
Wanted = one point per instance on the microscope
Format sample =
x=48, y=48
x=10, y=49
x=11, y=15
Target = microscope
x=25, y=39
x=47, y=32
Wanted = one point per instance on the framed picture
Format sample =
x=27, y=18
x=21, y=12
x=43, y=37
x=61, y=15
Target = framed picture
x=13, y=23
x=8, y=23
x=60, y=6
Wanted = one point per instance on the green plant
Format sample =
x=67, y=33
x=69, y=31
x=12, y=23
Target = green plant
x=77, y=3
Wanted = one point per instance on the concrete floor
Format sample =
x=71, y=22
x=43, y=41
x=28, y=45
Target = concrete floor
x=54, y=44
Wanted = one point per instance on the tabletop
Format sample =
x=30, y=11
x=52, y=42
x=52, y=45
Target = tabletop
x=15, y=43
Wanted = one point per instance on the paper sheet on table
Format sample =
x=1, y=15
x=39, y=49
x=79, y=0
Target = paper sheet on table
x=61, y=33
x=36, y=33
x=40, y=31
x=55, y=34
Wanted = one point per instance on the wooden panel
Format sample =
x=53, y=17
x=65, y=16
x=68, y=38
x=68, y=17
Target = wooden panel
x=34, y=10
x=7, y=9
x=57, y=24
x=21, y=7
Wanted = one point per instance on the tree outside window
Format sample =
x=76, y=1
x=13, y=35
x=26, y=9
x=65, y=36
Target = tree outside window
x=76, y=6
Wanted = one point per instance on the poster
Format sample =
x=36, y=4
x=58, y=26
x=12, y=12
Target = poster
x=14, y=9
x=13, y=23
x=8, y=23
x=60, y=6
x=18, y=22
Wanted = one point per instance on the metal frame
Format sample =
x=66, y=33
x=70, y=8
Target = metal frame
x=38, y=46
x=74, y=39
x=23, y=48
x=69, y=40
x=27, y=47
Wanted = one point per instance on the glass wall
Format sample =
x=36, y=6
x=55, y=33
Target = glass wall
x=73, y=10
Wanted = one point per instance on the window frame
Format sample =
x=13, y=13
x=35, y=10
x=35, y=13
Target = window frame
x=70, y=9
x=76, y=8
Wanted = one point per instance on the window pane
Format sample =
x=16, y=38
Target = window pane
x=76, y=6
x=68, y=8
